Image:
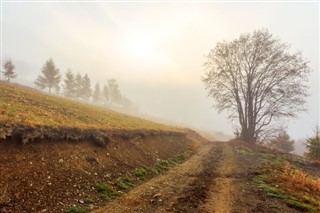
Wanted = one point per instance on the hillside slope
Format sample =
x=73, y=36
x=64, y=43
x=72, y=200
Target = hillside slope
x=48, y=162
x=29, y=115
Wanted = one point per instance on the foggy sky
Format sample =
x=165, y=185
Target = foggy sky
x=154, y=50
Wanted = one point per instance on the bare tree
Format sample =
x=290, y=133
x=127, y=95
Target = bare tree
x=50, y=77
x=258, y=81
x=9, y=70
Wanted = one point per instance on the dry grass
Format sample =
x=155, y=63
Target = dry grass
x=295, y=187
x=20, y=106
x=299, y=180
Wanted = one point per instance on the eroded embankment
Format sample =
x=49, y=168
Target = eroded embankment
x=30, y=134
x=50, y=176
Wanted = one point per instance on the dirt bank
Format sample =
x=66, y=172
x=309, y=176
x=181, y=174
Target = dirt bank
x=50, y=176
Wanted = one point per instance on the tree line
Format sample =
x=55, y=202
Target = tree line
x=73, y=86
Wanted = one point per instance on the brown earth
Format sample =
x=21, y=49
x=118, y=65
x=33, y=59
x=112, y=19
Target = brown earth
x=216, y=179
x=51, y=176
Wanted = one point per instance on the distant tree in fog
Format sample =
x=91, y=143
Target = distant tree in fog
x=49, y=77
x=9, y=70
x=96, y=96
x=257, y=81
x=105, y=94
x=126, y=103
x=69, y=86
x=86, y=88
x=78, y=85
x=313, y=145
x=282, y=142
x=114, y=91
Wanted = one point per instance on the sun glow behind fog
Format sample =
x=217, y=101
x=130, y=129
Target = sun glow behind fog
x=154, y=50
x=142, y=46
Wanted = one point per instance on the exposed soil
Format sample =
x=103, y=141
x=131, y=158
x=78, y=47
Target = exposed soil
x=216, y=179
x=51, y=176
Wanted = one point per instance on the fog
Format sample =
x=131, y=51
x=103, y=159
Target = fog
x=154, y=50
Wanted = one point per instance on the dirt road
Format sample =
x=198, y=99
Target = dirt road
x=218, y=178
x=202, y=184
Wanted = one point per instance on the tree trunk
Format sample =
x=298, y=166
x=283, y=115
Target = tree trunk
x=247, y=135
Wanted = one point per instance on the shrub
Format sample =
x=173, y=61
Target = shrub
x=313, y=145
x=282, y=142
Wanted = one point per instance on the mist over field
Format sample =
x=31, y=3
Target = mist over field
x=151, y=106
x=154, y=50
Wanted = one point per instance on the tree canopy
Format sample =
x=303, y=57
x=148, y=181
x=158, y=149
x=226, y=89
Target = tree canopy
x=257, y=81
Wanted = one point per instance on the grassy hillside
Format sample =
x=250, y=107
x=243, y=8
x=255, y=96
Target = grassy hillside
x=24, y=107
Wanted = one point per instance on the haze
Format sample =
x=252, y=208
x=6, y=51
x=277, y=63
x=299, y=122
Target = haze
x=154, y=50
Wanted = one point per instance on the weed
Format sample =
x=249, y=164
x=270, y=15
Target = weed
x=155, y=171
x=107, y=192
x=128, y=181
x=299, y=205
x=273, y=206
x=88, y=200
x=76, y=209
x=122, y=185
x=140, y=172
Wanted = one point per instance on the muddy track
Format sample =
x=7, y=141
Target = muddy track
x=201, y=184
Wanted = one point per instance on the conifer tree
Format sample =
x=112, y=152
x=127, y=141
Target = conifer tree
x=313, y=145
x=96, y=96
x=69, y=87
x=86, y=88
x=106, y=94
x=115, y=94
x=78, y=86
x=50, y=77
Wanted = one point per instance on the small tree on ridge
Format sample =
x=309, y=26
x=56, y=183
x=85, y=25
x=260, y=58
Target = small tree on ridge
x=50, y=77
x=9, y=70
